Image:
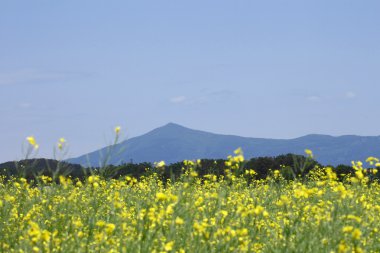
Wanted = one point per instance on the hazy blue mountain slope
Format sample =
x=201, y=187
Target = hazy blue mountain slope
x=173, y=143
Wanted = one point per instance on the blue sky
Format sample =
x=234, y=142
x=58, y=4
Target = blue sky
x=277, y=69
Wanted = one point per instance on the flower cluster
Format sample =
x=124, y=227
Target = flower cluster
x=193, y=214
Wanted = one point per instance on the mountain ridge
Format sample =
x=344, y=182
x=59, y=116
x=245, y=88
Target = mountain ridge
x=173, y=142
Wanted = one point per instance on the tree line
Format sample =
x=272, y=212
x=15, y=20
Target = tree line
x=263, y=166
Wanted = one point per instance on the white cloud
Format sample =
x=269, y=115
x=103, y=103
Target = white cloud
x=24, y=105
x=314, y=98
x=25, y=76
x=350, y=95
x=178, y=99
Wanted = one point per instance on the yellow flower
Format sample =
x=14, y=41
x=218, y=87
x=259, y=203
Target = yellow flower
x=32, y=141
x=347, y=229
x=117, y=129
x=355, y=218
x=161, y=196
x=239, y=158
x=160, y=164
x=100, y=223
x=45, y=235
x=358, y=249
x=99, y=236
x=169, y=246
x=342, y=247
x=238, y=151
x=243, y=232
x=60, y=143
x=371, y=160
x=309, y=153
x=356, y=234
x=359, y=174
x=78, y=223
x=179, y=221
x=194, y=174
x=250, y=172
x=110, y=228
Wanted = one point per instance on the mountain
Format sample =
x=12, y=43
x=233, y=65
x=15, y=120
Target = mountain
x=173, y=143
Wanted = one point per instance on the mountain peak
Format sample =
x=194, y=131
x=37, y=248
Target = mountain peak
x=172, y=127
x=171, y=124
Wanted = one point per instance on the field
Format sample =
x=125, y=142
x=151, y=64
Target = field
x=193, y=214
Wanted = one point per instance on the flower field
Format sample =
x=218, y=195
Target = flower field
x=192, y=214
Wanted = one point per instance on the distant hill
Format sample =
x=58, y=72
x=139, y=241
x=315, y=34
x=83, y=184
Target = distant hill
x=38, y=166
x=173, y=143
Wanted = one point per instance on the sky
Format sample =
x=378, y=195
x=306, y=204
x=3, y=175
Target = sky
x=273, y=69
